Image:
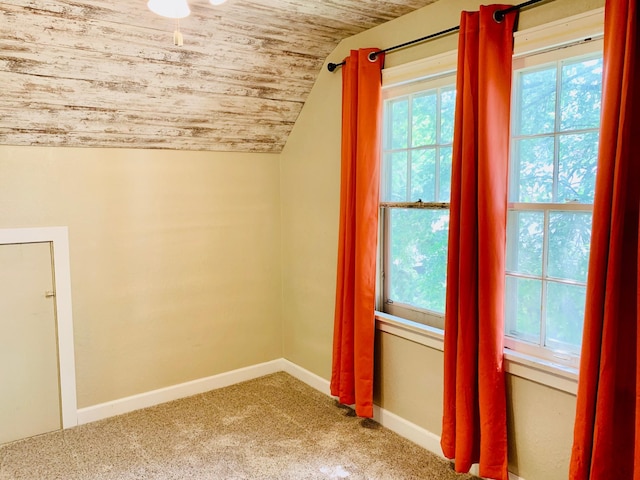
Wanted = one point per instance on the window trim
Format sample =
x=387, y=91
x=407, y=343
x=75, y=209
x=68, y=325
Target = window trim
x=573, y=30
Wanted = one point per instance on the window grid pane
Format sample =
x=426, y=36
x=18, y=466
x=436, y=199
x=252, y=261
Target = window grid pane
x=423, y=174
x=581, y=91
x=568, y=245
x=424, y=119
x=398, y=120
x=537, y=101
x=564, y=315
x=524, y=308
x=525, y=242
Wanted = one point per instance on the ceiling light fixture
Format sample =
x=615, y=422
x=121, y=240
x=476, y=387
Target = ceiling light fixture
x=175, y=9
x=170, y=8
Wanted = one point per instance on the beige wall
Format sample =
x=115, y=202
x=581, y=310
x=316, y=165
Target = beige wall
x=175, y=258
x=189, y=264
x=409, y=375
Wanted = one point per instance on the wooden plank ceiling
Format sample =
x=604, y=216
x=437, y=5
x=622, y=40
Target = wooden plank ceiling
x=105, y=73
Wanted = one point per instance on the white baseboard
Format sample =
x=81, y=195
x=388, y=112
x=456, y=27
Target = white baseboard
x=304, y=375
x=387, y=419
x=175, y=392
x=421, y=436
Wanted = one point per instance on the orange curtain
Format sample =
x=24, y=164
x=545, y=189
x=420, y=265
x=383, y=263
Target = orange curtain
x=474, y=419
x=607, y=430
x=354, y=323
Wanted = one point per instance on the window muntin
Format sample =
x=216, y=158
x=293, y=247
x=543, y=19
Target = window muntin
x=555, y=128
x=416, y=185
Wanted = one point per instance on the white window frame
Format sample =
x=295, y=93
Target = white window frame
x=427, y=84
x=568, y=31
x=523, y=63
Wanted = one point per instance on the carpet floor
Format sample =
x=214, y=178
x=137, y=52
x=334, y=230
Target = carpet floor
x=273, y=427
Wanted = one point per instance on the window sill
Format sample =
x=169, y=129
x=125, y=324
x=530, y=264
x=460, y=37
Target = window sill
x=531, y=368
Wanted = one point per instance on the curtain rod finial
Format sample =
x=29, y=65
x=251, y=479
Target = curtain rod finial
x=332, y=66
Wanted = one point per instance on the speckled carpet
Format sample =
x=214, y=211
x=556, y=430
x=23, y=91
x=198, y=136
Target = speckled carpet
x=274, y=427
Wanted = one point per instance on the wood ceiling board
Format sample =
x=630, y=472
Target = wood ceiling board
x=106, y=74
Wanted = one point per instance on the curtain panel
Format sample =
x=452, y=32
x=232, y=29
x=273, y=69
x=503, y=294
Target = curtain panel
x=607, y=428
x=354, y=322
x=474, y=414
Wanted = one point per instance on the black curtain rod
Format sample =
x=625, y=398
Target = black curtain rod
x=498, y=16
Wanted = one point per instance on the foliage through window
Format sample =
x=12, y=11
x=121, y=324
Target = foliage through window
x=416, y=184
x=554, y=150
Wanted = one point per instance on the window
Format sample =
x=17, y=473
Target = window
x=555, y=129
x=554, y=149
x=416, y=179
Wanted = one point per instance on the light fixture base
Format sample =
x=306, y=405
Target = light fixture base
x=169, y=8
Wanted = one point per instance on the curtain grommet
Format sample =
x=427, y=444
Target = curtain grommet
x=373, y=56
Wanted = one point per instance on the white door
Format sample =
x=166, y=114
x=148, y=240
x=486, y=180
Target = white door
x=29, y=373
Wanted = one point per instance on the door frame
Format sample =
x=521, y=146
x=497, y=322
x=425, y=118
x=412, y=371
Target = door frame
x=59, y=238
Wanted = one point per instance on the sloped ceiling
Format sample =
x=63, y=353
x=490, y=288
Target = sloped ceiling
x=105, y=73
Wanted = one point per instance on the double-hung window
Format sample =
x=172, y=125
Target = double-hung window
x=554, y=150
x=416, y=181
x=554, y=146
